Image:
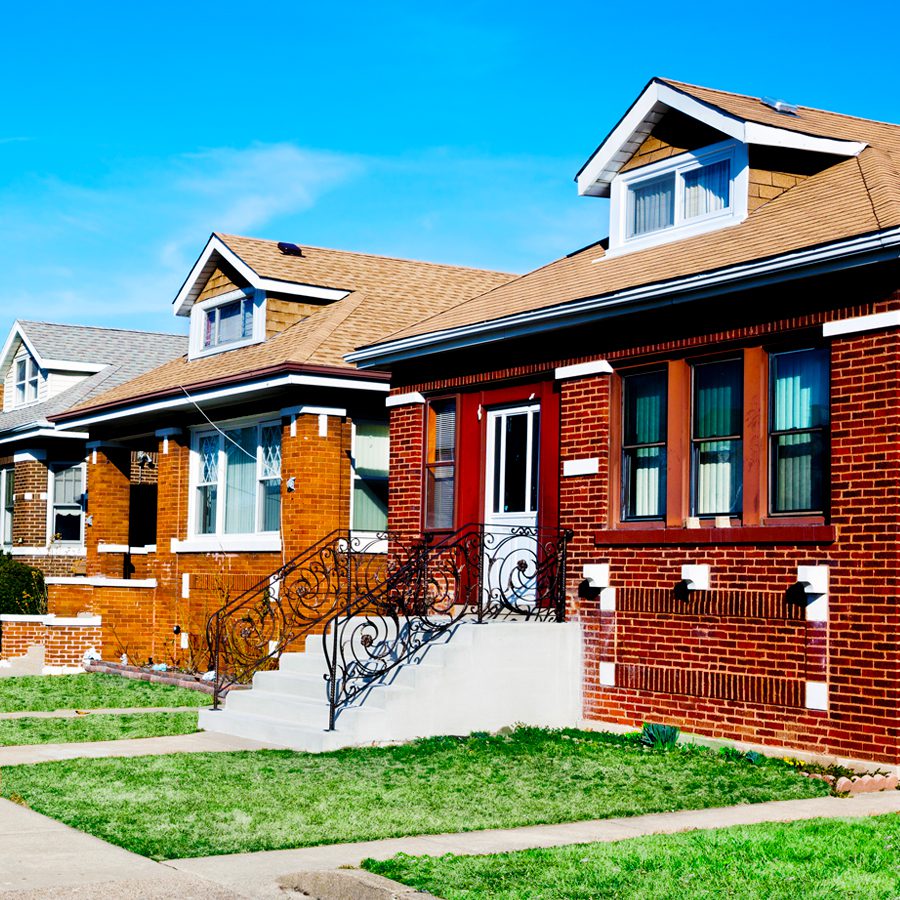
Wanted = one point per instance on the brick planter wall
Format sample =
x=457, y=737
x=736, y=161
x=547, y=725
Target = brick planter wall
x=65, y=640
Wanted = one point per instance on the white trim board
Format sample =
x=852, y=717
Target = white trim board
x=189, y=290
x=856, y=324
x=580, y=370
x=101, y=581
x=410, y=399
x=328, y=381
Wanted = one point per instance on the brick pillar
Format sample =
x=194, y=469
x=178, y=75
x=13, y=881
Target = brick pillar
x=407, y=453
x=30, y=513
x=109, y=487
x=317, y=457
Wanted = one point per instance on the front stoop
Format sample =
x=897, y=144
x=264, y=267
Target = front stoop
x=477, y=678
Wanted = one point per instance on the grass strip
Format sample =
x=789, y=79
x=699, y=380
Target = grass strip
x=100, y=727
x=40, y=693
x=821, y=859
x=203, y=804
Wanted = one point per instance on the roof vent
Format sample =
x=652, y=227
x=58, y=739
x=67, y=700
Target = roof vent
x=780, y=106
x=289, y=249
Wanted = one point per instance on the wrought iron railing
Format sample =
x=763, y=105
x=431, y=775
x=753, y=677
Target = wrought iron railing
x=379, y=600
x=478, y=573
x=249, y=632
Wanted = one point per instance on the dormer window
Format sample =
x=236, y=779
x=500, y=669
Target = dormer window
x=684, y=195
x=228, y=321
x=27, y=380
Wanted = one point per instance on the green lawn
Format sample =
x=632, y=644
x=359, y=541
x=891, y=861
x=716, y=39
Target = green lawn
x=99, y=727
x=203, y=804
x=815, y=860
x=44, y=693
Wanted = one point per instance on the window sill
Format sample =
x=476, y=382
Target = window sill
x=229, y=543
x=749, y=534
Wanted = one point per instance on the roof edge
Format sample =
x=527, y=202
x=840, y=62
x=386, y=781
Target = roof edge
x=223, y=381
x=864, y=249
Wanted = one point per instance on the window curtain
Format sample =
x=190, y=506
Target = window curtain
x=645, y=466
x=651, y=206
x=270, y=477
x=800, y=408
x=240, y=481
x=370, y=462
x=707, y=189
x=718, y=410
x=68, y=488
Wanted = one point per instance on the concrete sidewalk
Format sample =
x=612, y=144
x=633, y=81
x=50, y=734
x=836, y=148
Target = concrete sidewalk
x=242, y=871
x=199, y=742
x=42, y=858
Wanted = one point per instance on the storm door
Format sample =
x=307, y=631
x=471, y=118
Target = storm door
x=512, y=468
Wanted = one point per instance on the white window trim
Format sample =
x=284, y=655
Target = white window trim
x=735, y=213
x=196, y=350
x=51, y=501
x=219, y=540
x=356, y=533
x=6, y=539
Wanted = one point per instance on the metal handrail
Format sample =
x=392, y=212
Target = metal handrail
x=478, y=572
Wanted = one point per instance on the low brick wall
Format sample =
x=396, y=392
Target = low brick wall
x=65, y=640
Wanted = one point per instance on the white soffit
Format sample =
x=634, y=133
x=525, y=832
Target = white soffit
x=595, y=177
x=206, y=264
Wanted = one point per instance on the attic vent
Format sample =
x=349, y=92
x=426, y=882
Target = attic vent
x=289, y=249
x=781, y=106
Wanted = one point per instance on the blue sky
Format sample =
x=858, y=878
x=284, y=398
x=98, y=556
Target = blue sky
x=440, y=131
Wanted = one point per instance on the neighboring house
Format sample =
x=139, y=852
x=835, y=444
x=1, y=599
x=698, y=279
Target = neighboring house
x=264, y=439
x=710, y=401
x=47, y=368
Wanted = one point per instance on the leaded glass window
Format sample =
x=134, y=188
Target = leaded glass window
x=238, y=488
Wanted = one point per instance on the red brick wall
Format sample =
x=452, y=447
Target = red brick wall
x=140, y=620
x=734, y=661
x=405, y=482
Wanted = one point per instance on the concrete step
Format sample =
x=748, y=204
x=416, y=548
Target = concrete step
x=294, y=736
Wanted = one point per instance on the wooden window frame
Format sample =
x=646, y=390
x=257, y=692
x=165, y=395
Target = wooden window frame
x=757, y=485
x=428, y=445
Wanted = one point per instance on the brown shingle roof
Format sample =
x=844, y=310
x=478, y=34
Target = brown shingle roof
x=386, y=294
x=853, y=197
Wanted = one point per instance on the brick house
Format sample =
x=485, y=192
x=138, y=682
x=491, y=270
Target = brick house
x=261, y=438
x=709, y=400
x=47, y=368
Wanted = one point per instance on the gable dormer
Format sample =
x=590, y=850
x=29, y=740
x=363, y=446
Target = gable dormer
x=676, y=166
x=232, y=305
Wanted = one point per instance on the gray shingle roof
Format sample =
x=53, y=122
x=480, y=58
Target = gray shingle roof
x=126, y=354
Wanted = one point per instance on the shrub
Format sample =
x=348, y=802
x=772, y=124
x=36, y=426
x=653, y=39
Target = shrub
x=22, y=588
x=659, y=737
